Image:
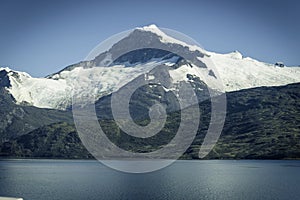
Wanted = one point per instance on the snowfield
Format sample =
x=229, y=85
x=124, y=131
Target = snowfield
x=241, y=73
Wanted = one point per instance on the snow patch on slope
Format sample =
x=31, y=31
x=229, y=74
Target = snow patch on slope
x=39, y=92
x=5, y=69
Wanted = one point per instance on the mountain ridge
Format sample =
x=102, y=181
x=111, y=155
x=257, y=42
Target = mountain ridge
x=116, y=70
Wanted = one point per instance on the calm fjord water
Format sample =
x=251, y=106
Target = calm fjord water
x=90, y=180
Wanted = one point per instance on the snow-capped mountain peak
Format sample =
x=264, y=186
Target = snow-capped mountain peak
x=166, y=38
x=103, y=78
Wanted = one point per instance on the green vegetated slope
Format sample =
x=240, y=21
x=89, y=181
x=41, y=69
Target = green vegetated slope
x=17, y=120
x=261, y=123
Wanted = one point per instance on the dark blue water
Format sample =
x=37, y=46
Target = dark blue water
x=84, y=180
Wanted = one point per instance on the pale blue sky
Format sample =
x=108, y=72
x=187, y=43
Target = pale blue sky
x=42, y=37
